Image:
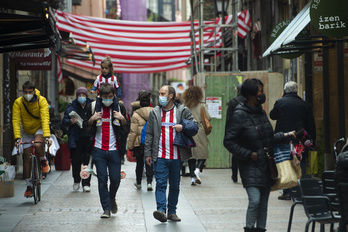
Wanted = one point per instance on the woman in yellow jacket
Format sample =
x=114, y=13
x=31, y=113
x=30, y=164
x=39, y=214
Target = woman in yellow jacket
x=30, y=120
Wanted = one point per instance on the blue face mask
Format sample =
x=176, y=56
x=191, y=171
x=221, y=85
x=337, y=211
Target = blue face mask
x=81, y=100
x=49, y=107
x=163, y=101
x=107, y=102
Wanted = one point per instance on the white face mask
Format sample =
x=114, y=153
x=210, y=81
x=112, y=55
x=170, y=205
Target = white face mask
x=107, y=102
x=28, y=97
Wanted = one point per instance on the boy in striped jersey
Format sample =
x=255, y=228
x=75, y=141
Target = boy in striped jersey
x=162, y=126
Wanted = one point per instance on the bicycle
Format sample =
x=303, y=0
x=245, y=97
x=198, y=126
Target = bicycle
x=36, y=174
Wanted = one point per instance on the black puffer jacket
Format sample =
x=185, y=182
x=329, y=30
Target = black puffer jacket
x=242, y=138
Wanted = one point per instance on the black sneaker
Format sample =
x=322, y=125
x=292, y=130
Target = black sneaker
x=114, y=207
x=235, y=179
x=106, y=214
x=160, y=216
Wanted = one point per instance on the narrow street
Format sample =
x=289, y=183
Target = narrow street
x=216, y=205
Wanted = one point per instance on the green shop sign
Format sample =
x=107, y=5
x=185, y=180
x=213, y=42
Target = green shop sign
x=276, y=31
x=330, y=17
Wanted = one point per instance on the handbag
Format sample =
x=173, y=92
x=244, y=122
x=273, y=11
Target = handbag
x=272, y=168
x=206, y=123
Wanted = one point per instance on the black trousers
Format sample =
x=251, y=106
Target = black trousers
x=139, y=154
x=234, y=166
x=80, y=155
x=192, y=165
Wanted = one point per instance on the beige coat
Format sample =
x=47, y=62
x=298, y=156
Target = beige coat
x=138, y=120
x=201, y=139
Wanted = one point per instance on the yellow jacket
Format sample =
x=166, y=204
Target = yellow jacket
x=30, y=125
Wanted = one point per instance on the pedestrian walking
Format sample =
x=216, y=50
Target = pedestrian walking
x=162, y=127
x=124, y=135
x=192, y=98
x=106, y=76
x=136, y=104
x=292, y=113
x=105, y=153
x=250, y=136
x=231, y=106
x=79, y=137
x=138, y=120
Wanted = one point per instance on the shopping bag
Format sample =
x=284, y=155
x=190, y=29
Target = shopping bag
x=130, y=156
x=312, y=168
x=287, y=176
x=289, y=170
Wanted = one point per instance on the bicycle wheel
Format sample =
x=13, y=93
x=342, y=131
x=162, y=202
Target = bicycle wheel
x=38, y=186
x=34, y=176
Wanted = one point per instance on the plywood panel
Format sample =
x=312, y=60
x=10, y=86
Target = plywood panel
x=224, y=86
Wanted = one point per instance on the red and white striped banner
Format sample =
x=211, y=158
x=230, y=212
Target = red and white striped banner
x=244, y=23
x=118, y=10
x=136, y=47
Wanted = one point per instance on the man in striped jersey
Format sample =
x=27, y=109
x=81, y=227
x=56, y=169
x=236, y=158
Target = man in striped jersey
x=105, y=153
x=162, y=126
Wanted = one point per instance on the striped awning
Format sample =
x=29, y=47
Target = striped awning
x=291, y=31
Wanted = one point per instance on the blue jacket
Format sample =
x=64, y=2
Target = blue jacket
x=75, y=132
x=184, y=138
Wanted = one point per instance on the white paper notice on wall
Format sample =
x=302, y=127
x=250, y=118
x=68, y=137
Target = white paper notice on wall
x=214, y=106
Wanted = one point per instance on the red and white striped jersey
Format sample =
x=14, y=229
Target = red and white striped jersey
x=111, y=80
x=166, y=149
x=105, y=138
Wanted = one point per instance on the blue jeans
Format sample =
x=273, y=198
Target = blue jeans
x=257, y=208
x=103, y=161
x=165, y=169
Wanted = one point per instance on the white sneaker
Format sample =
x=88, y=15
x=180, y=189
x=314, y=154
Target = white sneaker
x=137, y=185
x=198, y=179
x=76, y=186
x=149, y=187
x=86, y=188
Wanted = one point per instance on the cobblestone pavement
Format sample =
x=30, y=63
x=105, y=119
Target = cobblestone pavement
x=216, y=205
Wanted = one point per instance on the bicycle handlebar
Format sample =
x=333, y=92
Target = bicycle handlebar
x=33, y=142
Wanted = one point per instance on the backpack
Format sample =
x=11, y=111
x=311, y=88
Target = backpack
x=143, y=135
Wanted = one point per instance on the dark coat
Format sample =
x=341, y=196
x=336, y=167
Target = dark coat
x=121, y=132
x=231, y=107
x=292, y=113
x=75, y=132
x=242, y=138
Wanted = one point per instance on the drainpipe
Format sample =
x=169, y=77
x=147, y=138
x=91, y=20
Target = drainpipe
x=340, y=89
x=326, y=108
